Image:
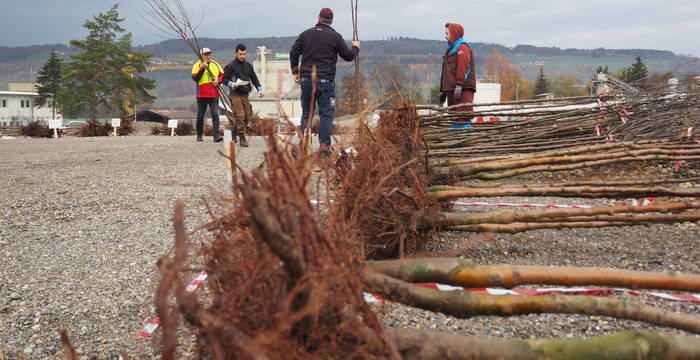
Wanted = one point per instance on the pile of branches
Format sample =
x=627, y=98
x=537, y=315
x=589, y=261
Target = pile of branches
x=183, y=129
x=209, y=130
x=282, y=285
x=383, y=186
x=573, y=158
x=37, y=129
x=262, y=126
x=411, y=196
x=126, y=127
x=538, y=125
x=287, y=281
x=95, y=128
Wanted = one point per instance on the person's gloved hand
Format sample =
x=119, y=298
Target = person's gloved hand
x=458, y=94
x=443, y=97
x=240, y=82
x=261, y=91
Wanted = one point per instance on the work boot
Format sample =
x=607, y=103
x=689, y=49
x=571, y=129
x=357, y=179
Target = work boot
x=199, y=138
x=234, y=133
x=243, y=141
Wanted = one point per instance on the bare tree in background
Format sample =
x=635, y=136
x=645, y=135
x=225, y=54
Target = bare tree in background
x=499, y=69
x=389, y=77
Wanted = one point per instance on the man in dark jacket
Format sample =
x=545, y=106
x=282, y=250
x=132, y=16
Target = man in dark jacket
x=458, y=81
x=319, y=47
x=238, y=75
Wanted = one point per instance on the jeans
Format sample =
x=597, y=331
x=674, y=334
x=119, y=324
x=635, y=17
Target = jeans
x=325, y=98
x=213, y=104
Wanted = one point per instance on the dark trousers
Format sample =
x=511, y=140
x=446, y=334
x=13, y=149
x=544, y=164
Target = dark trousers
x=467, y=98
x=325, y=98
x=242, y=112
x=213, y=104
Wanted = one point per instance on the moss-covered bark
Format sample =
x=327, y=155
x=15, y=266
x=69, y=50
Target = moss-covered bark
x=425, y=345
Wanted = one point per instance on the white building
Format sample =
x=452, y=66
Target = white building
x=16, y=108
x=276, y=77
x=487, y=93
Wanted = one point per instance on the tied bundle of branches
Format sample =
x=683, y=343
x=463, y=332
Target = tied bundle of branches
x=398, y=213
x=383, y=189
x=500, y=167
x=281, y=287
x=555, y=124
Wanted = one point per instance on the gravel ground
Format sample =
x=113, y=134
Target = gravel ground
x=83, y=222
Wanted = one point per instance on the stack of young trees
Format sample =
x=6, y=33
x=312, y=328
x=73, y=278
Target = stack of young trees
x=287, y=281
x=423, y=167
x=538, y=125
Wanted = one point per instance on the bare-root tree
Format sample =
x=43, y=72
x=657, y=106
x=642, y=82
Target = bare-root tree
x=287, y=281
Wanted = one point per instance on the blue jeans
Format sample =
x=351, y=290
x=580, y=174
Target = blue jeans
x=325, y=98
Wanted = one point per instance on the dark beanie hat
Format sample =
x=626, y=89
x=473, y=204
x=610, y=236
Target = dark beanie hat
x=326, y=13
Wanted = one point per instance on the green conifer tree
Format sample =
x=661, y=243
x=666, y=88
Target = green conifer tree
x=49, y=82
x=105, y=72
x=637, y=73
x=541, y=84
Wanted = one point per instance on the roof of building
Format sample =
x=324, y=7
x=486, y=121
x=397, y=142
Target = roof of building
x=18, y=93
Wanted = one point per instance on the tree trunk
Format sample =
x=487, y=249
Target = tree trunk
x=470, y=172
x=457, y=272
x=567, y=191
x=506, y=217
x=515, y=228
x=426, y=345
x=464, y=304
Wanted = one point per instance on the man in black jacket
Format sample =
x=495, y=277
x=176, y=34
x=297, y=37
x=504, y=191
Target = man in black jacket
x=238, y=75
x=319, y=47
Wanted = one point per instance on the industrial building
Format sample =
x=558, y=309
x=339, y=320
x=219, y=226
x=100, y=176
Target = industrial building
x=276, y=77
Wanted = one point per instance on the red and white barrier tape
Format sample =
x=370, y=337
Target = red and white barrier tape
x=482, y=119
x=695, y=298
x=152, y=325
x=644, y=202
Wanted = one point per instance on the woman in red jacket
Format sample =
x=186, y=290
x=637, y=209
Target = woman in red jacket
x=458, y=82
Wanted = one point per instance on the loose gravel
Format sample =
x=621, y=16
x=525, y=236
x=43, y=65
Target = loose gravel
x=83, y=222
x=82, y=225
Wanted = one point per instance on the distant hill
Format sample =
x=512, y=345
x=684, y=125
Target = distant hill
x=391, y=46
x=421, y=57
x=29, y=53
x=399, y=46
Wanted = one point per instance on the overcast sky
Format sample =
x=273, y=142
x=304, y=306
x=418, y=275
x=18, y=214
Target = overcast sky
x=664, y=25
